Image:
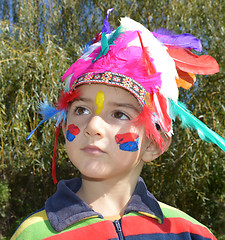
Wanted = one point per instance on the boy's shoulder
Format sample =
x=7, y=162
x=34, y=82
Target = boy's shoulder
x=178, y=221
x=170, y=212
x=30, y=227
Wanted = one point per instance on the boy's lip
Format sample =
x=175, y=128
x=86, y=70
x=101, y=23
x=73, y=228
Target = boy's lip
x=93, y=150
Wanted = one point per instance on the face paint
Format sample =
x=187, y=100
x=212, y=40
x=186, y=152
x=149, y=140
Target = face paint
x=100, y=98
x=126, y=137
x=71, y=132
x=70, y=137
x=130, y=146
x=128, y=141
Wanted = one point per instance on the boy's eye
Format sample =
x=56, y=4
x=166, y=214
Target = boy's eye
x=120, y=115
x=81, y=110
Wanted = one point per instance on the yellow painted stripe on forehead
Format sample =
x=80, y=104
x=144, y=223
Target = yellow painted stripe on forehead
x=100, y=98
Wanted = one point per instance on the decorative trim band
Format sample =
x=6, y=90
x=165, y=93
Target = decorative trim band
x=113, y=79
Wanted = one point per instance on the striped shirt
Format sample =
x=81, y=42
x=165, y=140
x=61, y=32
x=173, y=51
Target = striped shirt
x=65, y=216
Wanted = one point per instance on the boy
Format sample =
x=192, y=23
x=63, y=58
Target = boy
x=116, y=115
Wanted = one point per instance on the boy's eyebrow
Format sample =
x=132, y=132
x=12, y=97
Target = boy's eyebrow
x=82, y=99
x=115, y=104
x=125, y=105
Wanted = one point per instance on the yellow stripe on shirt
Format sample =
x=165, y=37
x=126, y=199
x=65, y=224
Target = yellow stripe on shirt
x=34, y=218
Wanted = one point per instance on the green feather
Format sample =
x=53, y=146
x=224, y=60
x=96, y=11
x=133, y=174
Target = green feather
x=105, y=43
x=116, y=35
x=104, y=47
x=188, y=120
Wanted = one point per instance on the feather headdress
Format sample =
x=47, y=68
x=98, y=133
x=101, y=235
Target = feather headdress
x=150, y=65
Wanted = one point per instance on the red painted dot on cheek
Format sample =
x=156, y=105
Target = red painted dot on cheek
x=126, y=137
x=73, y=129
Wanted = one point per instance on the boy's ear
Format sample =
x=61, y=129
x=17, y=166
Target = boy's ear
x=64, y=128
x=153, y=151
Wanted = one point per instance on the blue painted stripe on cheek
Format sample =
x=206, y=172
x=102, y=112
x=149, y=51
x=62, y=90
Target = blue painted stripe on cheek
x=130, y=146
x=70, y=137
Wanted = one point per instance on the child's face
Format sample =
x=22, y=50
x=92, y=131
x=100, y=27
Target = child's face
x=101, y=140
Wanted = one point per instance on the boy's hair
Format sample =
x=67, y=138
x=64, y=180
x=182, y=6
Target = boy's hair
x=150, y=65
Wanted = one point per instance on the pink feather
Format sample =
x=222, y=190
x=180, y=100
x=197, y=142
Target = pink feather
x=153, y=83
x=119, y=59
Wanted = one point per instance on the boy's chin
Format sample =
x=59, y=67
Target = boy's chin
x=92, y=179
x=100, y=178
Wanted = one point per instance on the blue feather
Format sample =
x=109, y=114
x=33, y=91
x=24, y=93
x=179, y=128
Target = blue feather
x=87, y=46
x=47, y=111
x=32, y=132
x=188, y=120
x=61, y=117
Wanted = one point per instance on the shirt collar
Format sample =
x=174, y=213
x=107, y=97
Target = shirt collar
x=144, y=202
x=65, y=208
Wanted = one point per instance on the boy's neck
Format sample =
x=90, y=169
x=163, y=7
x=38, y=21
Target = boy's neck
x=108, y=197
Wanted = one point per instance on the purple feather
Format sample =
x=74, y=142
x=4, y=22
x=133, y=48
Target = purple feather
x=179, y=40
x=106, y=28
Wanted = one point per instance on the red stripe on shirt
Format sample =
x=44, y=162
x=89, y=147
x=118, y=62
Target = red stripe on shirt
x=99, y=231
x=146, y=225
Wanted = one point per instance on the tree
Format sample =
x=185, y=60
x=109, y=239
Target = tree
x=40, y=40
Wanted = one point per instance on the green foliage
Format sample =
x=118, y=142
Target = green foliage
x=4, y=198
x=45, y=38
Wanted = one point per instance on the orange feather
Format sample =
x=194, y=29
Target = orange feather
x=185, y=79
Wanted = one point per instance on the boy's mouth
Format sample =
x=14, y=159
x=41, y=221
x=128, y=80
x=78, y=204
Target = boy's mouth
x=93, y=150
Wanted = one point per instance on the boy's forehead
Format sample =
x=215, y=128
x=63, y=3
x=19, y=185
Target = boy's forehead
x=111, y=93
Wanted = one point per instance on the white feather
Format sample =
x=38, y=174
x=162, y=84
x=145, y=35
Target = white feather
x=162, y=60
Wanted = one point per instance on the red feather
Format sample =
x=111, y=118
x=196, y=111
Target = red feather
x=145, y=118
x=97, y=38
x=189, y=62
x=160, y=105
x=145, y=56
x=66, y=98
x=57, y=130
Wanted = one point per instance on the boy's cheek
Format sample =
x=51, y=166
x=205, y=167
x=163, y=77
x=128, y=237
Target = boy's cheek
x=128, y=141
x=71, y=132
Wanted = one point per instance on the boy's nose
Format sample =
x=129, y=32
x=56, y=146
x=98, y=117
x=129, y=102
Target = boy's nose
x=95, y=127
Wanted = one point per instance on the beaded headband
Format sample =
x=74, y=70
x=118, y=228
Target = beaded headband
x=114, y=79
x=150, y=65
